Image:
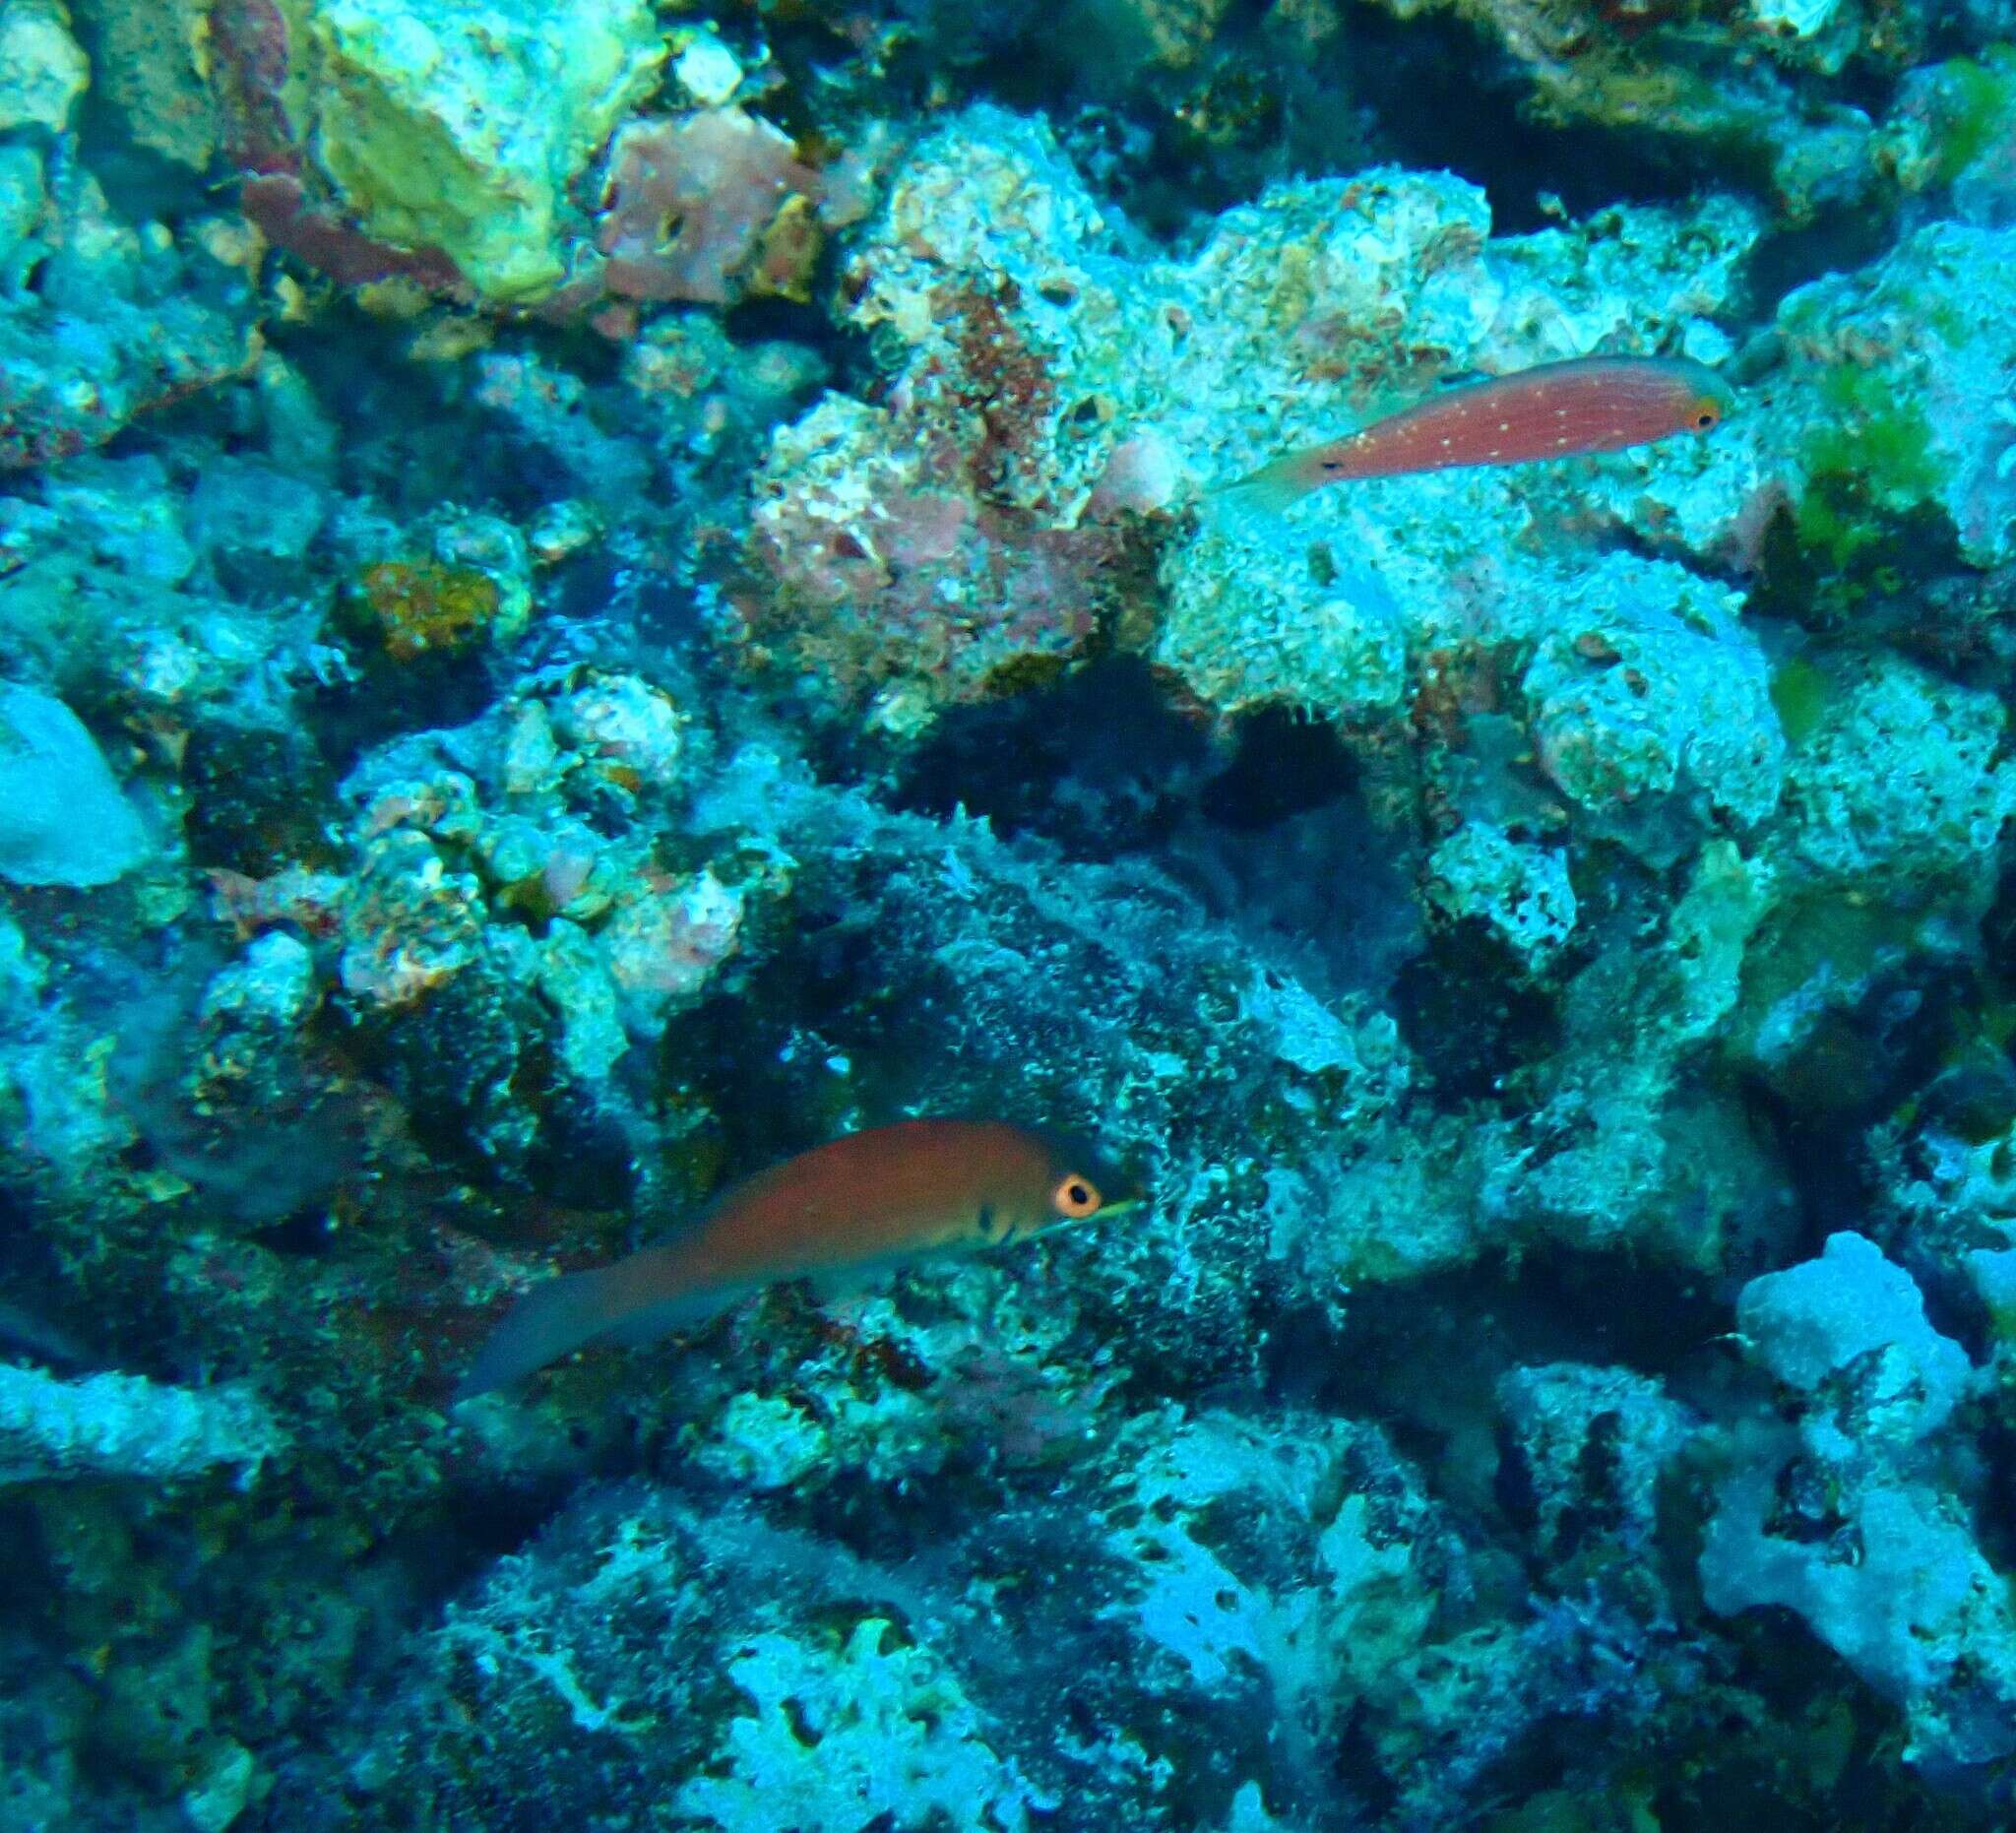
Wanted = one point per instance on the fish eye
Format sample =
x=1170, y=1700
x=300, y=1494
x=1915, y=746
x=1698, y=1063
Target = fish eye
x=1704, y=416
x=1075, y=1196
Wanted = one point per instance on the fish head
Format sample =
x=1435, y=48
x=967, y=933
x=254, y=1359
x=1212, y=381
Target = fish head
x=1084, y=1185
x=1705, y=398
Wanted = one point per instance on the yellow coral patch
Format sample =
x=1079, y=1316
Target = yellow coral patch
x=426, y=609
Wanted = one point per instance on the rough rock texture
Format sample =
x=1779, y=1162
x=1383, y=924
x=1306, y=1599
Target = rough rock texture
x=118, y=1425
x=443, y=129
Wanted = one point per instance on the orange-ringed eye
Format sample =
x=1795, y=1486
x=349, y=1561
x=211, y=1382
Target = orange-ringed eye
x=1075, y=1196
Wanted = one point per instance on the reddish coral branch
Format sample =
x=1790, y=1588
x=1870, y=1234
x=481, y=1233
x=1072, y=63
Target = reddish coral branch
x=702, y=208
x=277, y=203
x=252, y=61
x=249, y=39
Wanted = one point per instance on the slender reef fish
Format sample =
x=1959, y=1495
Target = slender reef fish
x=1592, y=404
x=866, y=1200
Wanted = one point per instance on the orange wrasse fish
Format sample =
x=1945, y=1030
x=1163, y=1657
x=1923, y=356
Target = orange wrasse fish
x=1593, y=403
x=866, y=1200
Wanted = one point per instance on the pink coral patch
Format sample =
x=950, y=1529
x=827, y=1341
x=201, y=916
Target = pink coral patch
x=687, y=201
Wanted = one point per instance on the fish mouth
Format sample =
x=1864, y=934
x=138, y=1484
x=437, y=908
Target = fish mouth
x=1119, y=1206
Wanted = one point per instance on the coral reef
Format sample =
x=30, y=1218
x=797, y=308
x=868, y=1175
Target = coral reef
x=115, y=1425
x=593, y=596
x=1848, y=1524
x=116, y=323
x=445, y=132
x=706, y=208
x=1052, y=391
x=63, y=820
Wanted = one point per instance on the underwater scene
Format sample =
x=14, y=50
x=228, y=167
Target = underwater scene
x=988, y=917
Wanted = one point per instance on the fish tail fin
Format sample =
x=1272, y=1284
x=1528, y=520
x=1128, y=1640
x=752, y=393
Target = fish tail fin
x=1270, y=489
x=553, y=1318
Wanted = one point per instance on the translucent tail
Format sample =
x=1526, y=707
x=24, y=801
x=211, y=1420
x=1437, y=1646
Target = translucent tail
x=1270, y=489
x=553, y=1319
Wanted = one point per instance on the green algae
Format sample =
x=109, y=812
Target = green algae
x=1870, y=519
x=1800, y=693
x=463, y=135
x=1978, y=106
x=1878, y=431
x=1869, y=459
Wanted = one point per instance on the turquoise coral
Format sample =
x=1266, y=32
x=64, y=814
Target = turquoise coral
x=63, y=818
x=1873, y=1551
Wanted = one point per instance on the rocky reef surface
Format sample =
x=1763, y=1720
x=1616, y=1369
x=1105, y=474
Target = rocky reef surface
x=594, y=594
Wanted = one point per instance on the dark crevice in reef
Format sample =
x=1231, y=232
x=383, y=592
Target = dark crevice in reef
x=1267, y=827
x=1827, y=1165
x=792, y=321
x=1442, y=96
x=1172, y=148
x=469, y=1063
x=1423, y=1358
x=1322, y=890
x=256, y=799
x=1283, y=764
x=1855, y=1069
x=137, y=183
x=1838, y=241
x=386, y=409
x=778, y=1063
x=484, y=1522
x=32, y=1301
x=439, y=692
x=1430, y=1350
x=1470, y=1017
x=1098, y=763
x=1995, y=1517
